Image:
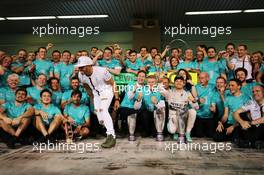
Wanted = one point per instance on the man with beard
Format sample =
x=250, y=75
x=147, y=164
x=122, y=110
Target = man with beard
x=78, y=115
x=75, y=85
x=103, y=88
x=229, y=55
x=246, y=87
x=212, y=66
x=15, y=116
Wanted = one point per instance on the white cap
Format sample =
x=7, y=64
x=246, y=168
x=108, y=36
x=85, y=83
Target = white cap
x=84, y=61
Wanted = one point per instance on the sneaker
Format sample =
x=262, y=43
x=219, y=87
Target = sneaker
x=181, y=139
x=175, y=137
x=109, y=142
x=159, y=137
x=131, y=138
x=188, y=137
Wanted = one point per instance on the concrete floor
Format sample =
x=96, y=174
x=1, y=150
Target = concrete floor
x=145, y=156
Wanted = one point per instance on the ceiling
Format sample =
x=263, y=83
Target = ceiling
x=121, y=12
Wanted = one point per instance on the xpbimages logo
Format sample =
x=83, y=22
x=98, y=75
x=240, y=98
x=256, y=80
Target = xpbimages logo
x=212, y=31
x=80, y=31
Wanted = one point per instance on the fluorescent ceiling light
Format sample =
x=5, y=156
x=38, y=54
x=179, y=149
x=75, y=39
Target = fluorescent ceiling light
x=212, y=12
x=1, y=19
x=31, y=17
x=253, y=10
x=82, y=16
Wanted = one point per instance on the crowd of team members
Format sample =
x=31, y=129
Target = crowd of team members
x=44, y=93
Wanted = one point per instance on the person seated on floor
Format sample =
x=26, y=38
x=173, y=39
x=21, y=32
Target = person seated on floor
x=182, y=112
x=127, y=112
x=48, y=117
x=78, y=115
x=153, y=106
x=66, y=96
x=251, y=128
x=15, y=116
x=227, y=124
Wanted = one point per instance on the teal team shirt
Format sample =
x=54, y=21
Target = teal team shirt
x=34, y=93
x=7, y=94
x=51, y=110
x=126, y=102
x=169, y=68
x=146, y=100
x=79, y=113
x=43, y=67
x=147, y=62
x=205, y=93
x=214, y=69
x=247, y=89
x=66, y=96
x=136, y=66
x=154, y=69
x=3, y=78
x=186, y=65
x=112, y=64
x=219, y=103
x=14, y=111
x=196, y=64
x=56, y=98
x=233, y=103
x=65, y=72
x=24, y=77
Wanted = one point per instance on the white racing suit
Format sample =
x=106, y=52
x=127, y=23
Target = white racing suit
x=181, y=117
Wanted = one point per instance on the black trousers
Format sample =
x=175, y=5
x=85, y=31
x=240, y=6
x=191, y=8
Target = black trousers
x=252, y=134
x=203, y=127
x=147, y=126
x=222, y=136
x=124, y=112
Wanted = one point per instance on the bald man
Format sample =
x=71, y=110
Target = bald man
x=203, y=93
